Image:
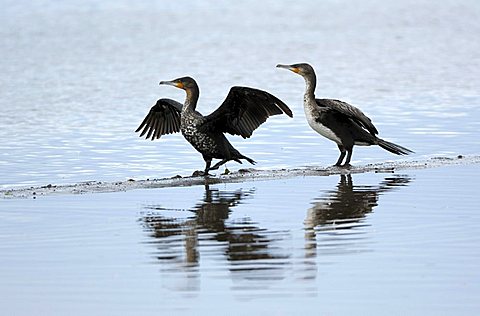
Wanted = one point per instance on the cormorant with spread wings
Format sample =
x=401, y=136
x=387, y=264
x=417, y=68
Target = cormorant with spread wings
x=243, y=111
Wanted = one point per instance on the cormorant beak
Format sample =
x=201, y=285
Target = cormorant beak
x=176, y=84
x=294, y=69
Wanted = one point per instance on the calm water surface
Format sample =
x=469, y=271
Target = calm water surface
x=77, y=77
x=371, y=244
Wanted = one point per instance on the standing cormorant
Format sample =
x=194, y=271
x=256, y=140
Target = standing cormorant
x=339, y=121
x=243, y=110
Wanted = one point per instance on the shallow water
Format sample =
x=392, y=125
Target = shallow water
x=78, y=77
x=364, y=244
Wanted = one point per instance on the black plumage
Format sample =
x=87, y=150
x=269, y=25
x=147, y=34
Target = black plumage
x=339, y=121
x=163, y=118
x=243, y=111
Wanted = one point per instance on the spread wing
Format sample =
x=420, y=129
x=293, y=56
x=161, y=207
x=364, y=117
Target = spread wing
x=163, y=118
x=349, y=110
x=243, y=111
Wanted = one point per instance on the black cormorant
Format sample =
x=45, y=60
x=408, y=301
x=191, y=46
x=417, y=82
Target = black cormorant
x=339, y=121
x=243, y=110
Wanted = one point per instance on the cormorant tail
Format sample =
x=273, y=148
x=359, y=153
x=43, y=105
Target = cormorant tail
x=393, y=148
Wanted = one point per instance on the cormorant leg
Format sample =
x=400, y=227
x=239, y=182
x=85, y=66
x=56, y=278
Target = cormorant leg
x=343, y=151
x=349, y=156
x=218, y=164
x=208, y=162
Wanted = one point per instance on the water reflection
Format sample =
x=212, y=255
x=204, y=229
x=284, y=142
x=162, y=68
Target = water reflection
x=207, y=235
x=238, y=241
x=338, y=215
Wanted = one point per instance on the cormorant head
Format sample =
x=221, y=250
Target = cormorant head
x=303, y=69
x=185, y=83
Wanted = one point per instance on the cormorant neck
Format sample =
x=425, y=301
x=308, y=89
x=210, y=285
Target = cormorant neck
x=191, y=99
x=311, y=82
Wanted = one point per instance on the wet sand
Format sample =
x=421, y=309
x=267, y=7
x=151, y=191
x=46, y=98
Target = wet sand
x=235, y=177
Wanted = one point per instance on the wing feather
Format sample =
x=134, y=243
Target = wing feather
x=163, y=118
x=243, y=111
x=350, y=111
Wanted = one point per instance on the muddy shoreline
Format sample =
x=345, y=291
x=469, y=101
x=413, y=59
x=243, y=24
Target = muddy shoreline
x=235, y=177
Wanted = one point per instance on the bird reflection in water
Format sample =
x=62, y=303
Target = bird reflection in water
x=338, y=216
x=240, y=240
x=335, y=224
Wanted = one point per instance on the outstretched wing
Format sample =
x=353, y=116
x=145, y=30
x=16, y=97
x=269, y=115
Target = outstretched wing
x=243, y=111
x=350, y=111
x=163, y=118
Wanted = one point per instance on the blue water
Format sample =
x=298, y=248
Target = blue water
x=77, y=77
x=371, y=244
